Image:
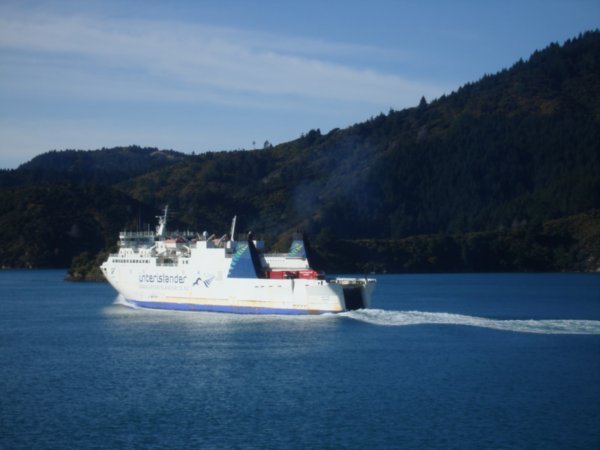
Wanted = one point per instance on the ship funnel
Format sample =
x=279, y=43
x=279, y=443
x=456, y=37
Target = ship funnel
x=246, y=262
x=297, y=249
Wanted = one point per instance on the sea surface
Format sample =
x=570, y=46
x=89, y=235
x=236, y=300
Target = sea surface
x=442, y=361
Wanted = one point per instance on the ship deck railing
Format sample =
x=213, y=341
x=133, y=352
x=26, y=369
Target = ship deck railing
x=136, y=234
x=351, y=281
x=283, y=255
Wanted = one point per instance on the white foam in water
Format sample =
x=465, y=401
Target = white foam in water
x=120, y=300
x=401, y=318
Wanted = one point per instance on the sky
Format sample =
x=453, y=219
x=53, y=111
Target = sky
x=196, y=76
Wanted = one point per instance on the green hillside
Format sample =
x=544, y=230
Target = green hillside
x=519, y=147
x=46, y=225
x=499, y=175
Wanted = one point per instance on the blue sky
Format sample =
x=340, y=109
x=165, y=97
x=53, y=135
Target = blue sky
x=220, y=75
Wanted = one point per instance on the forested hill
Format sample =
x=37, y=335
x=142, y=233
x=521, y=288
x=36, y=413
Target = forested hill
x=506, y=169
x=518, y=147
x=104, y=166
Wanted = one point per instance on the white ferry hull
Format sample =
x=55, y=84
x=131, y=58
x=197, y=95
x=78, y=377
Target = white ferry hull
x=173, y=289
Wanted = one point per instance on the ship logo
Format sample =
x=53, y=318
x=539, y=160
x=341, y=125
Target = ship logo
x=206, y=280
x=296, y=249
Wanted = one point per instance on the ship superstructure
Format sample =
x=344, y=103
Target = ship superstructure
x=191, y=271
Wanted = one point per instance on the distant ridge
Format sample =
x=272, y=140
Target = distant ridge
x=105, y=166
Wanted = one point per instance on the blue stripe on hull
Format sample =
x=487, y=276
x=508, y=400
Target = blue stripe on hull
x=225, y=309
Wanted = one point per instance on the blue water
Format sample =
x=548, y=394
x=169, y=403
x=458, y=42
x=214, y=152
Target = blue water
x=443, y=361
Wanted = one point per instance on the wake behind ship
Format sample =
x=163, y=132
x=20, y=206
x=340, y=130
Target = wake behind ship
x=189, y=271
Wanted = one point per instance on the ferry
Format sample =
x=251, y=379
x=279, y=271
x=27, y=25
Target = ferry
x=198, y=272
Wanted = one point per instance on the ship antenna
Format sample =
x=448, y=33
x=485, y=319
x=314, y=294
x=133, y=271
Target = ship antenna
x=161, y=229
x=233, y=228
